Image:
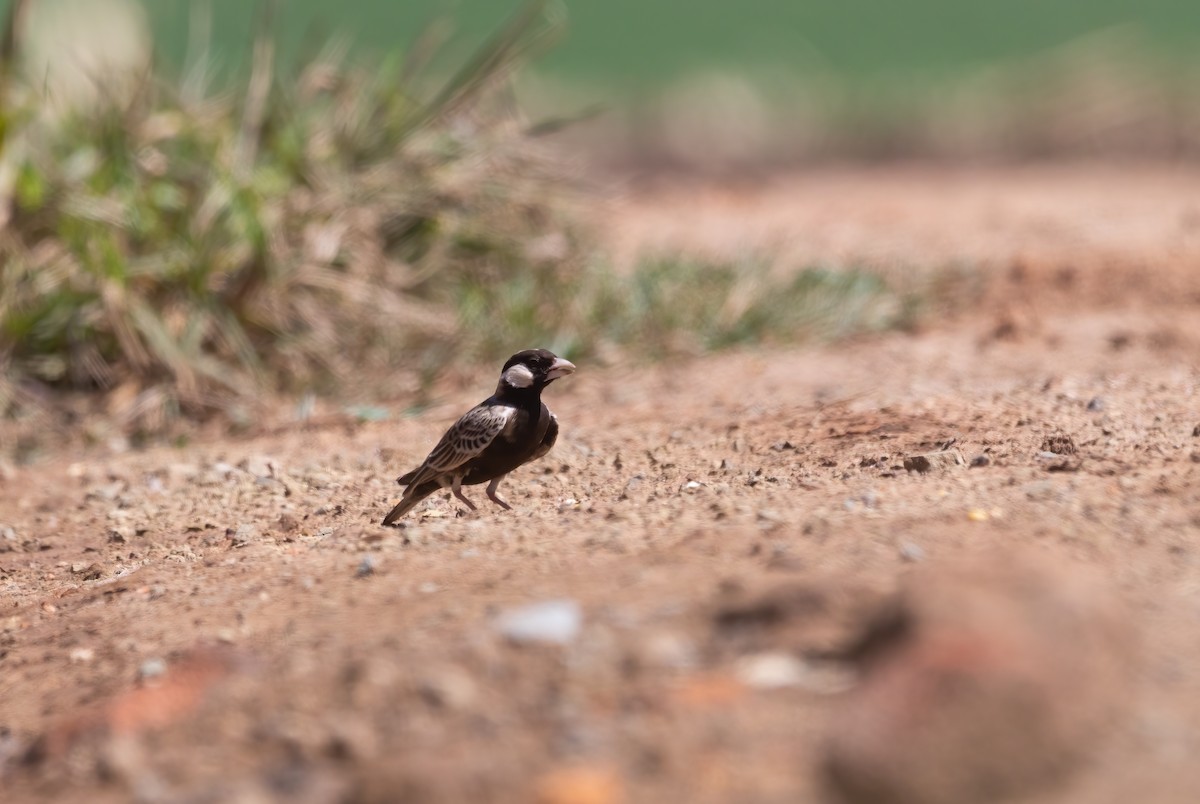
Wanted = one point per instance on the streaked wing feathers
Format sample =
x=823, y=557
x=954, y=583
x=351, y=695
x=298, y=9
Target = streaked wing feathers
x=465, y=439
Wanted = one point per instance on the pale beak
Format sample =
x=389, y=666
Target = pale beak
x=559, y=368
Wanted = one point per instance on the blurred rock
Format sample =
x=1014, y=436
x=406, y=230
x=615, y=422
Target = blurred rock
x=553, y=621
x=449, y=688
x=930, y=461
x=770, y=670
x=717, y=120
x=366, y=566
x=153, y=668
x=982, y=681
x=109, y=46
x=807, y=616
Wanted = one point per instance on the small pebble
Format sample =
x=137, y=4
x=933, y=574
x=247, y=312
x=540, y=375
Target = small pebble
x=82, y=655
x=243, y=535
x=365, y=567
x=152, y=668
x=770, y=671
x=980, y=460
x=449, y=688
x=928, y=462
x=670, y=650
x=912, y=552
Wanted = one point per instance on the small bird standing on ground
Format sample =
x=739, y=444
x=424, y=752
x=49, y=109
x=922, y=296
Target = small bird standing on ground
x=508, y=429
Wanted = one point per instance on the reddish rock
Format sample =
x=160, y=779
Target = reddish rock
x=981, y=682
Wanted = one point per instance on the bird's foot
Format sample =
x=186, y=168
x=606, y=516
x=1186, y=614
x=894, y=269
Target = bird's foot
x=494, y=497
x=458, y=493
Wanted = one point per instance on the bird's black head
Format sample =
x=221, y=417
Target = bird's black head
x=533, y=369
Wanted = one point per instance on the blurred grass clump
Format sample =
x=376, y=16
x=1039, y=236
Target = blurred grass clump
x=172, y=247
x=186, y=247
x=668, y=306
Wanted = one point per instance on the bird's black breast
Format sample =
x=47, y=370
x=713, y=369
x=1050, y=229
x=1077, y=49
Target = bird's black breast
x=517, y=444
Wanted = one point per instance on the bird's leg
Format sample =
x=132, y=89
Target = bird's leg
x=494, y=497
x=456, y=489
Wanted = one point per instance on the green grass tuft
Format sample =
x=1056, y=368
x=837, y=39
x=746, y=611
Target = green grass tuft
x=197, y=248
x=666, y=307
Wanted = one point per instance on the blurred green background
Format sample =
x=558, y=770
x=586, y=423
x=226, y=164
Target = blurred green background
x=350, y=226
x=631, y=45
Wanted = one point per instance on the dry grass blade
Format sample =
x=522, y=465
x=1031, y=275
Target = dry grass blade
x=431, y=39
x=8, y=55
x=261, y=75
x=530, y=29
x=8, y=43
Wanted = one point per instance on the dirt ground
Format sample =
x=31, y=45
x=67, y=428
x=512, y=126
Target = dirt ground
x=718, y=541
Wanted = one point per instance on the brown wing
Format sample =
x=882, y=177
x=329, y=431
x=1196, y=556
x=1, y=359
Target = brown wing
x=465, y=439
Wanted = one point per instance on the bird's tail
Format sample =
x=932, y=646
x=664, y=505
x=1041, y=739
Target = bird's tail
x=412, y=496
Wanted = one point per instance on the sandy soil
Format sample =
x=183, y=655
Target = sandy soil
x=227, y=622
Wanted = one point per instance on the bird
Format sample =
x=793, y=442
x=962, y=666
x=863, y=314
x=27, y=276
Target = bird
x=510, y=428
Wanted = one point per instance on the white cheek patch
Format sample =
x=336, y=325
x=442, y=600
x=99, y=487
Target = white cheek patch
x=519, y=376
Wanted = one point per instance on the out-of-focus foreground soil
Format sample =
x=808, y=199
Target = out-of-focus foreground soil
x=942, y=565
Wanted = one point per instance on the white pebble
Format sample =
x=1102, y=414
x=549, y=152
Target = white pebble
x=770, y=670
x=553, y=621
